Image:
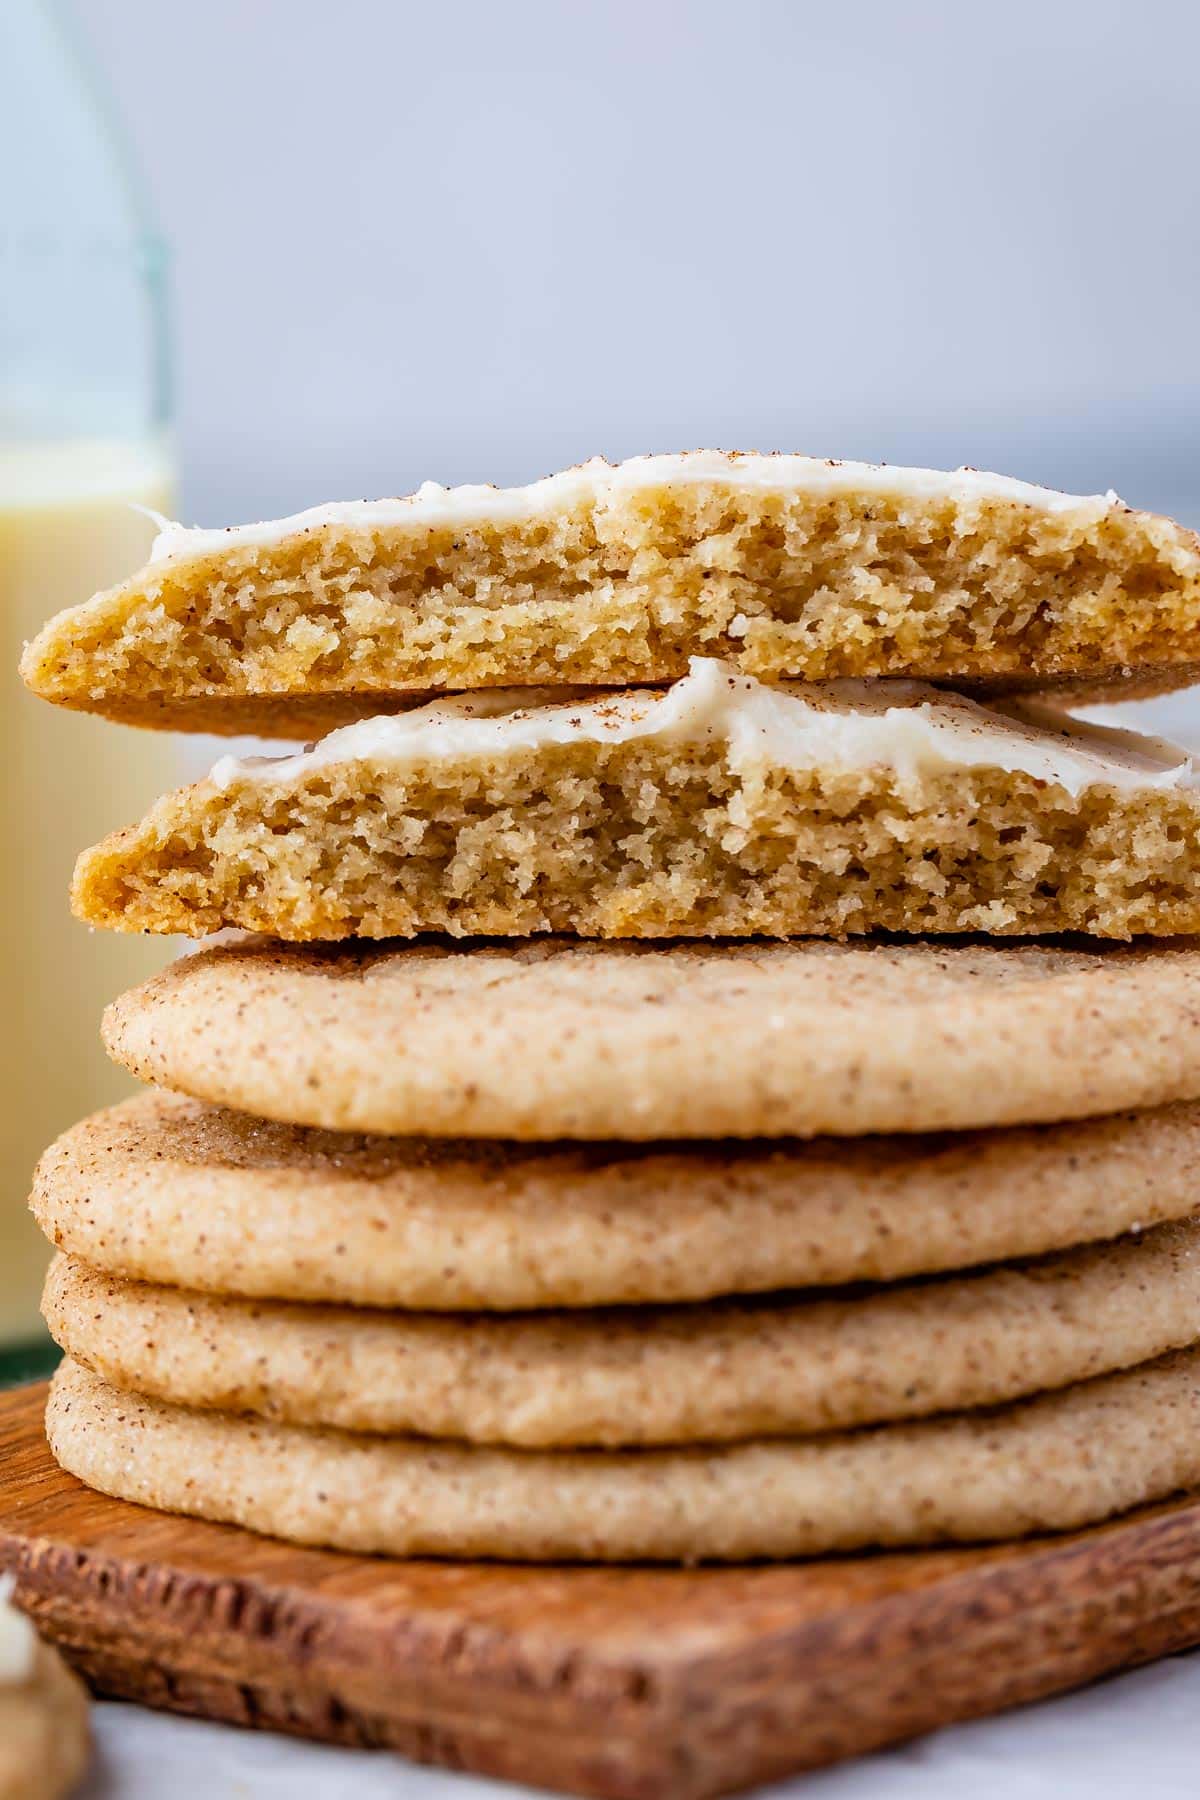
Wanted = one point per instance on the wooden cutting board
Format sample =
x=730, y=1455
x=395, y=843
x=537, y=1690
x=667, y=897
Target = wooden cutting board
x=632, y=1684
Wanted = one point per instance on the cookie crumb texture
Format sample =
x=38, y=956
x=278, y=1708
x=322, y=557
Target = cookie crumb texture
x=647, y=840
x=614, y=585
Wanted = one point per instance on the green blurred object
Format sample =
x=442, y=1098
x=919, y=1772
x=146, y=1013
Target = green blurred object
x=31, y=1361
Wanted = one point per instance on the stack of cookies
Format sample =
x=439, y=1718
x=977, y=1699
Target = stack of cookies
x=716, y=1073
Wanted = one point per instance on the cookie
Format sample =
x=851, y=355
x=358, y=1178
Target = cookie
x=168, y=1190
x=787, y=565
x=719, y=806
x=1061, y=1461
x=721, y=1372
x=45, y=1740
x=561, y=1039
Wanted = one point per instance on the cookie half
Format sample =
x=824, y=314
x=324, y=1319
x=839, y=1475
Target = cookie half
x=788, y=566
x=168, y=1190
x=562, y=1039
x=717, y=807
x=785, y=1366
x=45, y=1738
x=1055, y=1463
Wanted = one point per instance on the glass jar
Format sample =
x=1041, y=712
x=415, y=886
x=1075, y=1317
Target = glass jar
x=84, y=406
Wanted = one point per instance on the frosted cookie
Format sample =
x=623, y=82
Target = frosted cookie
x=45, y=1741
x=787, y=565
x=164, y=1189
x=716, y=807
x=725, y=1371
x=562, y=1039
x=1055, y=1463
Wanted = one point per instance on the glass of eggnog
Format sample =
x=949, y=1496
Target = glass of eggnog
x=84, y=446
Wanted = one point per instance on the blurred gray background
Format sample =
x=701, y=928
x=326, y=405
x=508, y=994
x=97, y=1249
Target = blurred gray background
x=478, y=240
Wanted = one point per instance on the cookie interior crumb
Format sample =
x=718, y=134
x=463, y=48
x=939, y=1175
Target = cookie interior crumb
x=622, y=588
x=645, y=840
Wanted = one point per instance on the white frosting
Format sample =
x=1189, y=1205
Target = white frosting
x=595, y=481
x=906, y=726
x=18, y=1640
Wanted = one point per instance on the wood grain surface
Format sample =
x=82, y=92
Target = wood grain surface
x=634, y=1684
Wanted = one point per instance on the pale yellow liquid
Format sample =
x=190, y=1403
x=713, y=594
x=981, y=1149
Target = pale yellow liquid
x=67, y=528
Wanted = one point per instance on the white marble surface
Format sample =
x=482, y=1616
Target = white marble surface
x=1136, y=1735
